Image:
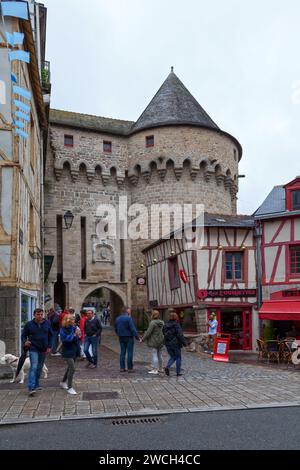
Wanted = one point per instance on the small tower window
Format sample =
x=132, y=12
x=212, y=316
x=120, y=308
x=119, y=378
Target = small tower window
x=150, y=141
x=68, y=141
x=107, y=146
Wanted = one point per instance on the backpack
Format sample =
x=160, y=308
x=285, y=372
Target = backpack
x=55, y=322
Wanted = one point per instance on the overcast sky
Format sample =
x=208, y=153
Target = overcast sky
x=240, y=60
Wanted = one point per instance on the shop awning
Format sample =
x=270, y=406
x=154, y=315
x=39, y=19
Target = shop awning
x=280, y=310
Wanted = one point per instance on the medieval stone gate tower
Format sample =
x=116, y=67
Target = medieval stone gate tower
x=174, y=153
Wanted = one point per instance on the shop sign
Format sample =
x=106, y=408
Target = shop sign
x=141, y=281
x=183, y=276
x=291, y=293
x=225, y=293
x=221, y=349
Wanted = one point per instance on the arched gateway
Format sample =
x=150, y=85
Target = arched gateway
x=114, y=294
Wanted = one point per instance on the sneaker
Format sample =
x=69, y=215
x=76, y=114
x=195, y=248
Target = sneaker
x=131, y=371
x=122, y=370
x=32, y=393
x=161, y=371
x=39, y=389
x=71, y=391
x=89, y=364
x=55, y=354
x=154, y=372
x=167, y=371
x=179, y=375
x=64, y=385
x=92, y=366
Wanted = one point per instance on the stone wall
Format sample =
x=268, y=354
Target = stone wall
x=10, y=319
x=186, y=165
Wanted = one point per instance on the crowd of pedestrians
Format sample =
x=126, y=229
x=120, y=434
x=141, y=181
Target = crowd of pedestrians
x=73, y=336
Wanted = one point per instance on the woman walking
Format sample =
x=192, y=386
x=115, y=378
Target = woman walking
x=69, y=335
x=155, y=340
x=174, y=340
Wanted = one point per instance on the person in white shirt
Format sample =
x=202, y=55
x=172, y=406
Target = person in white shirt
x=212, y=331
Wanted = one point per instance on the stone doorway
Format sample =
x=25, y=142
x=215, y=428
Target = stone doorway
x=102, y=298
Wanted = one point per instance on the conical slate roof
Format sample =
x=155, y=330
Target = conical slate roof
x=173, y=104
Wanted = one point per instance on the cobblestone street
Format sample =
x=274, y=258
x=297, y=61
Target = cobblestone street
x=205, y=386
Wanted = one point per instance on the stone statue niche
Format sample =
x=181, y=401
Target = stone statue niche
x=103, y=250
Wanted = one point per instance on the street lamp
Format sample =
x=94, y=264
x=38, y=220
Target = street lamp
x=68, y=218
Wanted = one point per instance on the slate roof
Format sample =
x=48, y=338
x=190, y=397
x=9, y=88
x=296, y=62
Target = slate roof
x=173, y=104
x=215, y=220
x=273, y=204
x=218, y=220
x=89, y=122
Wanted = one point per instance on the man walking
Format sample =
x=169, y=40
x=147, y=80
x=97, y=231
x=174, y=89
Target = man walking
x=126, y=331
x=36, y=336
x=92, y=336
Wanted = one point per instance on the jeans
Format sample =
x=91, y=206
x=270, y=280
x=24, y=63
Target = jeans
x=175, y=356
x=54, y=342
x=157, y=359
x=94, y=342
x=68, y=377
x=37, y=360
x=127, y=345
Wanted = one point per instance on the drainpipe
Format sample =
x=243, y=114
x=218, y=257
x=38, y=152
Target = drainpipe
x=258, y=238
x=42, y=230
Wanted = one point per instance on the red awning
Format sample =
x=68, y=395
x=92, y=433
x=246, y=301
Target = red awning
x=280, y=310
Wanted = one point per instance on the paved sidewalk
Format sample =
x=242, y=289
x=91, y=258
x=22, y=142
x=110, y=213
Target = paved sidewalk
x=205, y=386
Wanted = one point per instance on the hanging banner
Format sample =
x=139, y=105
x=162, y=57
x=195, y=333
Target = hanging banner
x=21, y=133
x=22, y=92
x=14, y=39
x=19, y=55
x=19, y=124
x=22, y=106
x=16, y=9
x=14, y=78
x=23, y=116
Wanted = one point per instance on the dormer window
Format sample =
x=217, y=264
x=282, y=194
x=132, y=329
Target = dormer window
x=150, y=141
x=107, y=146
x=296, y=200
x=292, y=190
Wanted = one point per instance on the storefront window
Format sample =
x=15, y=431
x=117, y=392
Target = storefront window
x=28, y=305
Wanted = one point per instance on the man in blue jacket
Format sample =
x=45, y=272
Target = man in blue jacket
x=125, y=329
x=36, y=336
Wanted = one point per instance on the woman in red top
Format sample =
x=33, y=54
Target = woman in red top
x=81, y=326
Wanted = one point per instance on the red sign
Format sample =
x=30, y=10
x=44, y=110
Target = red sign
x=221, y=349
x=202, y=294
x=225, y=293
x=183, y=276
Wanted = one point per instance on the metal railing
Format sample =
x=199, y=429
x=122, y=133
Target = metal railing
x=45, y=74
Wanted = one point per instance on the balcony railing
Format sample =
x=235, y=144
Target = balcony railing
x=46, y=76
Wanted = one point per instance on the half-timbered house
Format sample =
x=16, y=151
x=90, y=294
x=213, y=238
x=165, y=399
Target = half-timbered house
x=278, y=221
x=219, y=276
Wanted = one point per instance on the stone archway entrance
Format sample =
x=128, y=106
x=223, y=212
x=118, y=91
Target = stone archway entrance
x=103, y=295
